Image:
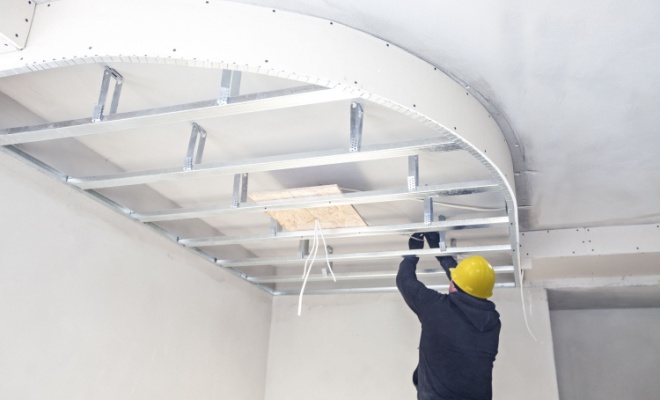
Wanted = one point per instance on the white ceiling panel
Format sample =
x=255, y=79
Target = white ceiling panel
x=573, y=88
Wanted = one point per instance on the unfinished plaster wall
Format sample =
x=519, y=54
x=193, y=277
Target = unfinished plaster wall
x=607, y=353
x=93, y=308
x=364, y=346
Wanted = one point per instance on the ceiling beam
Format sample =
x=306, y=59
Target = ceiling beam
x=500, y=248
x=354, y=276
x=272, y=163
x=350, y=232
x=274, y=100
x=370, y=289
x=366, y=197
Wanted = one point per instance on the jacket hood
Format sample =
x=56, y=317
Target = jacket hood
x=480, y=313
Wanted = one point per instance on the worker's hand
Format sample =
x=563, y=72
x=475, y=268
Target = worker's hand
x=416, y=241
x=433, y=239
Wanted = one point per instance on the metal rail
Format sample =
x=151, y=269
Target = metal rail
x=369, y=289
x=376, y=196
x=366, y=256
x=273, y=163
x=279, y=99
x=232, y=104
x=349, y=232
x=353, y=276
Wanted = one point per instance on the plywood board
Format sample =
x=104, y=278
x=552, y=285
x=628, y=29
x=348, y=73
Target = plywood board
x=303, y=219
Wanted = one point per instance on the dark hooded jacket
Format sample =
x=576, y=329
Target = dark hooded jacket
x=460, y=337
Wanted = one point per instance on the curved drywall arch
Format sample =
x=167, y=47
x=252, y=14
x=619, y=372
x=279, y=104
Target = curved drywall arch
x=265, y=41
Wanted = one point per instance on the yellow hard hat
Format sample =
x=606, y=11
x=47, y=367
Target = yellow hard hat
x=474, y=276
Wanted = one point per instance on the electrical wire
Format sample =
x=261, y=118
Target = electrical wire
x=522, y=300
x=311, y=257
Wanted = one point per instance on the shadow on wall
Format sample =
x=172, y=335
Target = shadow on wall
x=606, y=342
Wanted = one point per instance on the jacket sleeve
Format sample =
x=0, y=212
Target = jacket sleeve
x=414, y=292
x=447, y=262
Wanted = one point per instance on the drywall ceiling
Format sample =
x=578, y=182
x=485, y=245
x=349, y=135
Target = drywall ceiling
x=270, y=122
x=574, y=88
x=576, y=82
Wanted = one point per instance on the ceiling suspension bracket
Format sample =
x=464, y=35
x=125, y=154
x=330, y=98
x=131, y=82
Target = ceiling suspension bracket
x=105, y=86
x=443, y=242
x=229, y=86
x=413, y=173
x=324, y=271
x=303, y=248
x=357, y=115
x=428, y=210
x=197, y=136
x=275, y=227
x=240, y=190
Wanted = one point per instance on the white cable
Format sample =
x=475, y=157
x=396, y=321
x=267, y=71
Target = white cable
x=309, y=255
x=522, y=299
x=307, y=269
x=325, y=246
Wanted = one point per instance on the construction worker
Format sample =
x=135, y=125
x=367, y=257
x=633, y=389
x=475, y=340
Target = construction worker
x=460, y=330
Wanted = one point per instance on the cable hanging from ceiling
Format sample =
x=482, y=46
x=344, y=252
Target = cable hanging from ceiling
x=311, y=257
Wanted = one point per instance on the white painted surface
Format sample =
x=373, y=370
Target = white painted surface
x=607, y=354
x=576, y=81
x=264, y=41
x=580, y=94
x=594, y=241
x=150, y=42
x=15, y=22
x=632, y=239
x=93, y=308
x=364, y=346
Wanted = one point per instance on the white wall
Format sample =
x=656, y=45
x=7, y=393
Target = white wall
x=364, y=346
x=525, y=367
x=607, y=354
x=91, y=307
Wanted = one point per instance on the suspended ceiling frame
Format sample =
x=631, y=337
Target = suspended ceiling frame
x=439, y=103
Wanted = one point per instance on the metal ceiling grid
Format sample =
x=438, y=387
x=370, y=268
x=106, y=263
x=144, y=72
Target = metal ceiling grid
x=226, y=231
x=172, y=143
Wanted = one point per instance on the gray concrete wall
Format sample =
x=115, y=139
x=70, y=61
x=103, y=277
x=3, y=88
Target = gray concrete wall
x=607, y=353
x=95, y=306
x=364, y=346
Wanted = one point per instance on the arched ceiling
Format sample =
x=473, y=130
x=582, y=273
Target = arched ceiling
x=572, y=87
x=328, y=123
x=576, y=83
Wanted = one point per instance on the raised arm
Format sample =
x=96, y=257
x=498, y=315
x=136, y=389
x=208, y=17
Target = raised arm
x=414, y=292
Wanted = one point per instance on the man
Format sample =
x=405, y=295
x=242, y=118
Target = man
x=460, y=330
